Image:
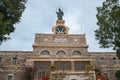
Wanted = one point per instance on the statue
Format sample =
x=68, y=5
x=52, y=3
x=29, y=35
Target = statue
x=59, y=14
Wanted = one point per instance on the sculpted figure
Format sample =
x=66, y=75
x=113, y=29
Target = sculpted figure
x=60, y=14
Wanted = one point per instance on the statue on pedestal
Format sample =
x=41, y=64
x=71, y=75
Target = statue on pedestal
x=60, y=14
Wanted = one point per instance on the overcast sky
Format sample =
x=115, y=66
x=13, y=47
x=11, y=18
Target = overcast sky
x=39, y=17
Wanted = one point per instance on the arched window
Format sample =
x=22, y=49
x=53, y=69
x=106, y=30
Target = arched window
x=10, y=77
x=76, y=53
x=61, y=53
x=114, y=60
x=45, y=53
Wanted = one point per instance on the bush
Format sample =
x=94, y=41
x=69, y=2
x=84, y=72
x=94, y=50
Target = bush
x=117, y=74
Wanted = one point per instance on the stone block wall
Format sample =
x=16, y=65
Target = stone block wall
x=8, y=68
x=110, y=65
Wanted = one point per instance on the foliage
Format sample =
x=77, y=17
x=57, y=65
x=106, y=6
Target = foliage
x=108, y=17
x=118, y=53
x=52, y=65
x=97, y=70
x=30, y=73
x=89, y=67
x=117, y=74
x=10, y=13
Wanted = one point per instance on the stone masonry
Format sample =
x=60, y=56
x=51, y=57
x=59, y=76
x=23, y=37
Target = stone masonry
x=68, y=52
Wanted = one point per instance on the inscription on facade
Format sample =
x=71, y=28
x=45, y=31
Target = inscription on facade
x=61, y=40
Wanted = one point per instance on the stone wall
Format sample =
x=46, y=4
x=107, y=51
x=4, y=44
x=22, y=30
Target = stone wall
x=110, y=65
x=8, y=68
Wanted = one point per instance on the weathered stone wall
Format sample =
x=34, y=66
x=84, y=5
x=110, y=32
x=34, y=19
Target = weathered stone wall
x=6, y=66
x=109, y=67
x=54, y=43
x=64, y=39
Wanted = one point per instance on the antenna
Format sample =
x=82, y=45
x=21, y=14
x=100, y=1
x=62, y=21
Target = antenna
x=82, y=28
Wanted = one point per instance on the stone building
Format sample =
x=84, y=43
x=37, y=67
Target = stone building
x=68, y=53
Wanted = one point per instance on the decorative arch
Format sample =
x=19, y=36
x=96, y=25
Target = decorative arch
x=76, y=53
x=45, y=52
x=61, y=53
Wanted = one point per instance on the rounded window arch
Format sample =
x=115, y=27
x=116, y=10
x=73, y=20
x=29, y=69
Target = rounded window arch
x=61, y=53
x=45, y=52
x=76, y=53
x=114, y=60
x=10, y=76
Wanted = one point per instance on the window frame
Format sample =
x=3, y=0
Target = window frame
x=14, y=61
x=10, y=75
x=114, y=60
x=59, y=53
x=0, y=60
x=76, y=53
x=102, y=61
x=45, y=55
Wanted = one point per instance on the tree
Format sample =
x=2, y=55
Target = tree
x=108, y=17
x=117, y=74
x=28, y=73
x=10, y=13
x=108, y=33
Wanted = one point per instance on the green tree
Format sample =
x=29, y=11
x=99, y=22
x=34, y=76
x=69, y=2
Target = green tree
x=108, y=17
x=117, y=74
x=10, y=14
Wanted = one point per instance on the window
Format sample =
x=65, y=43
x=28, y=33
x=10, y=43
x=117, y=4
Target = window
x=80, y=65
x=42, y=65
x=102, y=61
x=114, y=60
x=10, y=77
x=45, y=53
x=0, y=60
x=61, y=53
x=14, y=61
x=43, y=74
x=76, y=53
x=63, y=65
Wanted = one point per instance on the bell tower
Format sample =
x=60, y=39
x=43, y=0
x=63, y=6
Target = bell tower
x=60, y=28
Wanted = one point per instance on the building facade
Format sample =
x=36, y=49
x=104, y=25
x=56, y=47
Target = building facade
x=66, y=53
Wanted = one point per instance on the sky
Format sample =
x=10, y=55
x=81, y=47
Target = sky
x=40, y=16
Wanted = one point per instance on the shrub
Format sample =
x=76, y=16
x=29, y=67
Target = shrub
x=117, y=74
